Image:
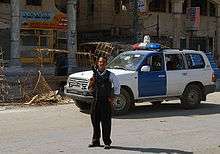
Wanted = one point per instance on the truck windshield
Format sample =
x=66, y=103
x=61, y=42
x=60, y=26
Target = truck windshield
x=126, y=61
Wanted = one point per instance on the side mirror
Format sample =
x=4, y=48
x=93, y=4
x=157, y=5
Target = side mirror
x=145, y=68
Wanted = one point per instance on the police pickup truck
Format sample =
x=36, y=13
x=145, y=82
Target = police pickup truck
x=152, y=74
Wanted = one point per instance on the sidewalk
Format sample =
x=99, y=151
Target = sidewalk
x=214, y=97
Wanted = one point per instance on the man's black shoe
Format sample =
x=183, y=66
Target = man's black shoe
x=107, y=147
x=94, y=145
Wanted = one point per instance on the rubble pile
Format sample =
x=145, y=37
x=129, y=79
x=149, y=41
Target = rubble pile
x=36, y=91
x=4, y=87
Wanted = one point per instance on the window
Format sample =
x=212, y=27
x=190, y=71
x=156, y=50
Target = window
x=30, y=40
x=44, y=38
x=184, y=6
x=174, y=62
x=5, y=1
x=157, y=5
x=34, y=2
x=121, y=5
x=198, y=43
x=61, y=5
x=43, y=41
x=195, y=61
x=212, y=9
x=61, y=40
x=202, y=4
x=117, y=6
x=155, y=62
x=35, y=38
x=90, y=7
x=211, y=44
x=170, y=6
x=182, y=43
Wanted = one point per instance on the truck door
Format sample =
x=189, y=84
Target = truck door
x=152, y=82
x=177, y=74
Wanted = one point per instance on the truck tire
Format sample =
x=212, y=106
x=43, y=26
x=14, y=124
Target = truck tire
x=191, y=97
x=82, y=105
x=123, y=103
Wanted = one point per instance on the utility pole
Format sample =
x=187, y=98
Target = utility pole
x=72, y=35
x=15, y=33
x=158, y=26
x=135, y=21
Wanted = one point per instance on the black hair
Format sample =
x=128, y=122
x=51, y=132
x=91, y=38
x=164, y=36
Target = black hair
x=103, y=57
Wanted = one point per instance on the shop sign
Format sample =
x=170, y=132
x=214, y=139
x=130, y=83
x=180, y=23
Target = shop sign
x=35, y=16
x=43, y=20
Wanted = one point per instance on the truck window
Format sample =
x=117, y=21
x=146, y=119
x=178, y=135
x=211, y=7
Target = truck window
x=174, y=62
x=155, y=62
x=195, y=61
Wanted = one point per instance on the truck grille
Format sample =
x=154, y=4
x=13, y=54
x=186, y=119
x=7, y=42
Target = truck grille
x=81, y=83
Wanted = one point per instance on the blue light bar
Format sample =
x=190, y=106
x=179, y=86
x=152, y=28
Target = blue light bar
x=153, y=46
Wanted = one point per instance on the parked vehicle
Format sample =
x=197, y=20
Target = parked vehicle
x=152, y=74
x=215, y=68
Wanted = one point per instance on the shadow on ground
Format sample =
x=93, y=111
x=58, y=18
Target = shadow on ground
x=151, y=150
x=169, y=110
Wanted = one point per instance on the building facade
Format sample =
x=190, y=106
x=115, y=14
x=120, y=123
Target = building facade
x=43, y=24
x=104, y=20
x=191, y=24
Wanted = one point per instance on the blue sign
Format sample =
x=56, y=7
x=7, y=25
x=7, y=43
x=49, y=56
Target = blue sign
x=35, y=16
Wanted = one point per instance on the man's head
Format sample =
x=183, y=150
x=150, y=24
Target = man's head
x=102, y=62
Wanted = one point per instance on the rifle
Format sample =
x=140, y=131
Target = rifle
x=92, y=81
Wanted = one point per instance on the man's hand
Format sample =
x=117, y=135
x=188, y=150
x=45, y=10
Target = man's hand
x=112, y=99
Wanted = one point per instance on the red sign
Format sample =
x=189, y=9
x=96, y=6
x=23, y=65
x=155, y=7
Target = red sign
x=193, y=18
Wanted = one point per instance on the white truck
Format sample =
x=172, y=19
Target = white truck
x=152, y=74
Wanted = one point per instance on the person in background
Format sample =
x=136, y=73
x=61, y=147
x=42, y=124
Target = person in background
x=61, y=64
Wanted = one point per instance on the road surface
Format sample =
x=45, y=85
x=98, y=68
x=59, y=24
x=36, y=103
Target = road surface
x=63, y=129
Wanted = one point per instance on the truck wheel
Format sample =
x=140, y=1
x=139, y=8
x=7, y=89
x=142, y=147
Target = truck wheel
x=123, y=103
x=191, y=97
x=156, y=104
x=82, y=105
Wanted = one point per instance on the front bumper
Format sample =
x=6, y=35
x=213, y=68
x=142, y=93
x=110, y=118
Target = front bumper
x=217, y=85
x=78, y=95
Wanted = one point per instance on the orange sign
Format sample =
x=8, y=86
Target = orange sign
x=59, y=21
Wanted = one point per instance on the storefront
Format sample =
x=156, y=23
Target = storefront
x=41, y=29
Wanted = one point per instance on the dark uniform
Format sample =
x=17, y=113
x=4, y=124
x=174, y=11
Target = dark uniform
x=101, y=109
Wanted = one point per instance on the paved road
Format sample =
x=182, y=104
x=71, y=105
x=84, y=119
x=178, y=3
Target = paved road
x=63, y=129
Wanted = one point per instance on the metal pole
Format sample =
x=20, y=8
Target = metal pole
x=72, y=35
x=135, y=21
x=15, y=33
x=158, y=25
x=217, y=50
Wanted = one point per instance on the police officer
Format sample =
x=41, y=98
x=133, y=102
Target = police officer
x=101, y=108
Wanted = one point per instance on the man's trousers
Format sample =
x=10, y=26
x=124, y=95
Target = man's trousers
x=101, y=114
